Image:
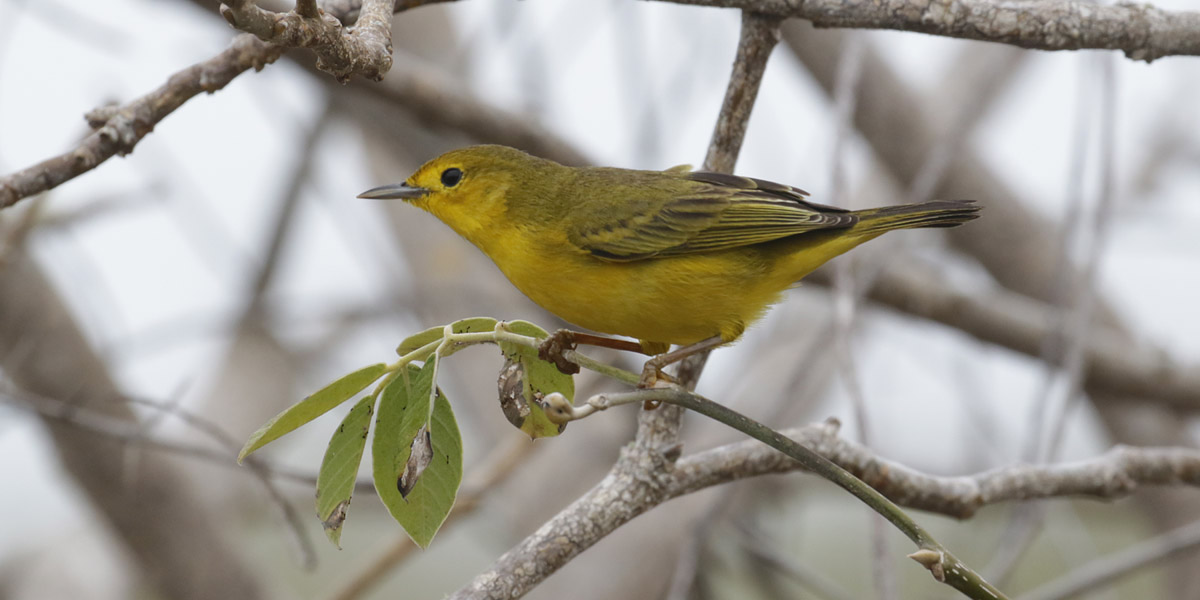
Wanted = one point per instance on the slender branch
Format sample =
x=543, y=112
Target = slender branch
x=1141, y=31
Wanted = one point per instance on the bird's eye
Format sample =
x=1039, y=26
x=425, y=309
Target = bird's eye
x=451, y=177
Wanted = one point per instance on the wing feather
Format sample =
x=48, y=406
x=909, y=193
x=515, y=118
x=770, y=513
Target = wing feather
x=688, y=213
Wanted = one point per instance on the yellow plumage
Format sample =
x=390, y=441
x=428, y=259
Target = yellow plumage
x=667, y=257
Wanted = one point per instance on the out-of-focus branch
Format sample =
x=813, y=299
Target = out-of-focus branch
x=1016, y=246
x=438, y=100
x=119, y=130
x=810, y=578
x=171, y=537
x=137, y=434
x=1106, y=569
x=1115, y=474
x=364, y=49
x=1141, y=31
x=14, y=234
x=1022, y=324
x=645, y=469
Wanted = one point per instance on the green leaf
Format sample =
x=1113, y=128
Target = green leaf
x=415, y=341
x=339, y=469
x=403, y=410
x=473, y=325
x=539, y=379
x=312, y=407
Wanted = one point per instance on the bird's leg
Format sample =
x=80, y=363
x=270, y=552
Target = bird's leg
x=552, y=347
x=652, y=371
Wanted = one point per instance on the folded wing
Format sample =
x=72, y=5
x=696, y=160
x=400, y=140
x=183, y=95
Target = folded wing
x=702, y=212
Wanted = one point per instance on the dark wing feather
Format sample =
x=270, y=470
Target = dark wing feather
x=709, y=212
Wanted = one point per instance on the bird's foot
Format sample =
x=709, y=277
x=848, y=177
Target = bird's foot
x=652, y=374
x=552, y=348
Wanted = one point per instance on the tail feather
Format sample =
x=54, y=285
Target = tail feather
x=937, y=213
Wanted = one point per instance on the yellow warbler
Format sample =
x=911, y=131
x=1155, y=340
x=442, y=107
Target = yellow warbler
x=667, y=257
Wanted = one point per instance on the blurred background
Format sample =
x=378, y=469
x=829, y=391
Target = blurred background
x=157, y=310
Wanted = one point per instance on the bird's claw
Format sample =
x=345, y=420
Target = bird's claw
x=652, y=374
x=551, y=350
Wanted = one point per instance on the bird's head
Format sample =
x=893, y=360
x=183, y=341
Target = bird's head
x=470, y=189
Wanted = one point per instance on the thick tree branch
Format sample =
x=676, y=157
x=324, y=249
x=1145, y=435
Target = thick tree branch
x=1141, y=31
x=1115, y=474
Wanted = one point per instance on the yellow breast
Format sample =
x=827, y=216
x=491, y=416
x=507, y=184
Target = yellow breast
x=678, y=300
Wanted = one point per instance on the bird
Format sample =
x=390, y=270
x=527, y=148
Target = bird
x=682, y=257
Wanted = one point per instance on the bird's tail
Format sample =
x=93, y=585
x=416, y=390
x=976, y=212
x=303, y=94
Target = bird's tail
x=938, y=213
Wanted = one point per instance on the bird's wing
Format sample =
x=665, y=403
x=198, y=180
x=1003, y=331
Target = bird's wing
x=710, y=212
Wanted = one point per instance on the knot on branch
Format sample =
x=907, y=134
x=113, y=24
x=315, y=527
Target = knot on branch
x=123, y=130
x=99, y=116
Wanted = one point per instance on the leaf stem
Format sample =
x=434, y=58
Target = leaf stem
x=452, y=342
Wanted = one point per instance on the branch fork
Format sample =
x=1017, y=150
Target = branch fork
x=364, y=49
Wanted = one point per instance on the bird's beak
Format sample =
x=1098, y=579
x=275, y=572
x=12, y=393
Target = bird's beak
x=395, y=191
